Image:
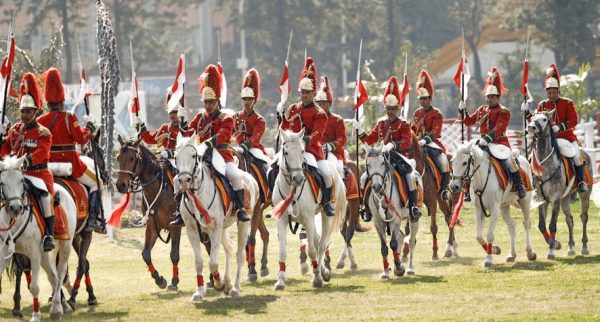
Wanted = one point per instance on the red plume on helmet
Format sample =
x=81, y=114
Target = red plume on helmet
x=252, y=80
x=54, y=91
x=326, y=88
x=552, y=72
x=424, y=84
x=210, y=80
x=393, y=88
x=495, y=78
x=30, y=86
x=310, y=71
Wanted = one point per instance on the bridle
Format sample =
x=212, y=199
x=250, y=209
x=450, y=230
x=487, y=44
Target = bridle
x=541, y=134
x=5, y=202
x=466, y=175
x=288, y=171
x=193, y=173
x=386, y=173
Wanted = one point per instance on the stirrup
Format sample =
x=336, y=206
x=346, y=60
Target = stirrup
x=521, y=191
x=242, y=215
x=415, y=213
x=177, y=221
x=329, y=210
x=365, y=214
x=582, y=187
x=445, y=195
x=49, y=243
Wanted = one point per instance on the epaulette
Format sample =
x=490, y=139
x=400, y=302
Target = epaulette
x=44, y=131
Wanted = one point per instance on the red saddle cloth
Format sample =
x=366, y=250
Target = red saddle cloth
x=503, y=175
x=226, y=198
x=78, y=193
x=351, y=186
x=402, y=190
x=262, y=182
x=569, y=174
x=61, y=228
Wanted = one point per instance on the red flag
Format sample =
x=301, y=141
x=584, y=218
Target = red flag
x=135, y=102
x=524, y=82
x=284, y=84
x=360, y=94
x=177, y=87
x=223, y=98
x=463, y=71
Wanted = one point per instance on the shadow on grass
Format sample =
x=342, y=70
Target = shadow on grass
x=579, y=259
x=269, y=282
x=443, y=262
x=329, y=288
x=524, y=266
x=129, y=243
x=84, y=312
x=415, y=279
x=337, y=273
x=249, y=304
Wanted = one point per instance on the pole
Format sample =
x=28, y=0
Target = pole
x=356, y=116
x=525, y=101
x=279, y=116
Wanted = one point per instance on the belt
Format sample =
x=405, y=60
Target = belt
x=57, y=148
x=222, y=147
x=39, y=167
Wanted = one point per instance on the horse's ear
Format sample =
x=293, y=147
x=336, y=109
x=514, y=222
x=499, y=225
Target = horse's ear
x=551, y=113
x=137, y=142
x=19, y=162
x=284, y=135
x=454, y=146
x=121, y=141
x=300, y=134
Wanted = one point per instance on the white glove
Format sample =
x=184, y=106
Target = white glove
x=238, y=149
x=4, y=127
x=280, y=108
x=182, y=112
x=482, y=142
x=88, y=118
x=164, y=154
x=203, y=148
x=462, y=106
x=524, y=107
x=137, y=120
x=555, y=128
x=328, y=147
x=422, y=142
x=388, y=147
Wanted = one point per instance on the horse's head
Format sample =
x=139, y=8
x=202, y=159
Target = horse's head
x=187, y=159
x=12, y=185
x=540, y=123
x=129, y=160
x=292, y=155
x=377, y=167
x=461, y=163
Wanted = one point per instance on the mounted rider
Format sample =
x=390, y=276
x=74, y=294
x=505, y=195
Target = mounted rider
x=427, y=124
x=250, y=125
x=564, y=120
x=396, y=134
x=214, y=129
x=31, y=139
x=66, y=134
x=492, y=120
x=334, y=137
x=310, y=117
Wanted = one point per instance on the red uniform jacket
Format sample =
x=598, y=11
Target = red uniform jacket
x=386, y=131
x=565, y=117
x=249, y=128
x=217, y=128
x=66, y=132
x=166, y=136
x=492, y=122
x=33, y=140
x=335, y=132
x=313, y=120
x=428, y=125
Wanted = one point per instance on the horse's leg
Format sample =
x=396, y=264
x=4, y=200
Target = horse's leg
x=414, y=228
x=323, y=256
x=56, y=310
x=34, y=286
x=242, y=237
x=312, y=249
x=510, y=224
x=77, y=242
x=64, y=251
x=490, y=236
x=228, y=249
x=303, y=256
x=396, y=240
x=451, y=244
x=175, y=242
x=352, y=220
x=250, y=248
x=213, y=262
x=281, y=235
x=195, y=241
x=405, y=245
x=149, y=241
x=542, y=212
x=341, y=260
x=379, y=226
x=17, y=312
x=553, y=243
x=264, y=236
x=565, y=204
x=479, y=233
x=432, y=210
x=526, y=210
x=585, y=205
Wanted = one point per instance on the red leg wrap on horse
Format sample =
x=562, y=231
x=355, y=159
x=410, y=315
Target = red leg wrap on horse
x=303, y=248
x=552, y=235
x=282, y=266
x=151, y=268
x=435, y=243
x=386, y=264
x=546, y=235
x=490, y=248
x=200, y=280
x=396, y=256
x=216, y=277
x=484, y=247
x=250, y=255
x=314, y=264
x=175, y=270
x=88, y=281
x=36, y=304
x=76, y=284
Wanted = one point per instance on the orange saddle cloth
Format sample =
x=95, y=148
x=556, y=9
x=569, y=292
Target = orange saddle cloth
x=503, y=175
x=351, y=186
x=61, y=226
x=78, y=194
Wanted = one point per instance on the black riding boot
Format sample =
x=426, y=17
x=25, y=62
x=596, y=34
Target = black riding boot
x=516, y=177
x=467, y=189
x=326, y=202
x=242, y=215
x=48, y=234
x=93, y=222
x=444, y=186
x=177, y=219
x=581, y=186
x=414, y=211
x=365, y=214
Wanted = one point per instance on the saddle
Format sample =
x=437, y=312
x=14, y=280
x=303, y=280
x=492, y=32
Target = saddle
x=61, y=229
x=400, y=185
x=257, y=168
x=351, y=184
x=503, y=174
x=430, y=155
x=312, y=175
x=79, y=194
x=224, y=187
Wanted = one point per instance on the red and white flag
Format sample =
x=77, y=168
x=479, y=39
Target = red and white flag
x=134, y=101
x=284, y=84
x=360, y=92
x=404, y=97
x=6, y=69
x=462, y=76
x=524, y=82
x=178, y=84
x=82, y=87
x=223, y=98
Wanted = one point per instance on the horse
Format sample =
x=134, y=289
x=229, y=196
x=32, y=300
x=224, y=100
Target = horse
x=302, y=206
x=553, y=185
x=139, y=169
x=433, y=199
x=19, y=236
x=197, y=181
x=471, y=162
x=349, y=224
x=385, y=204
x=257, y=223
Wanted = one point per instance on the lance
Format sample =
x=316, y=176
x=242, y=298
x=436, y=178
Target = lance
x=356, y=116
x=280, y=116
x=525, y=97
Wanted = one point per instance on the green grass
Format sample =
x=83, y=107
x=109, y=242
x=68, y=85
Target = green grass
x=567, y=288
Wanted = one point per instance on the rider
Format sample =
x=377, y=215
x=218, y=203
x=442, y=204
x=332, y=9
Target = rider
x=427, y=124
x=166, y=136
x=310, y=117
x=30, y=139
x=215, y=128
x=334, y=137
x=66, y=133
x=249, y=125
x=492, y=120
x=564, y=119
x=397, y=136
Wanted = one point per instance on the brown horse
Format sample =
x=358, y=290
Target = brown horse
x=257, y=223
x=432, y=200
x=139, y=169
x=349, y=225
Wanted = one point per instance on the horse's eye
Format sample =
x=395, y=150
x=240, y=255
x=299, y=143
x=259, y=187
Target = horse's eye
x=464, y=163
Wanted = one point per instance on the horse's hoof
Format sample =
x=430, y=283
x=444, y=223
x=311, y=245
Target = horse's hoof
x=92, y=301
x=55, y=316
x=303, y=268
x=219, y=287
x=384, y=276
x=317, y=282
x=340, y=265
x=551, y=256
x=279, y=286
x=36, y=317
x=532, y=256
x=410, y=272
x=435, y=258
x=197, y=298
x=252, y=277
x=326, y=275
x=264, y=272
x=496, y=250
x=571, y=252
x=585, y=251
x=353, y=266
x=72, y=303
x=399, y=271
x=234, y=293
x=448, y=254
x=511, y=259
x=557, y=245
x=161, y=282
x=172, y=288
x=17, y=313
x=487, y=264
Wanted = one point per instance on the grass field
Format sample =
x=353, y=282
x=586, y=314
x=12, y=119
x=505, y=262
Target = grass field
x=567, y=288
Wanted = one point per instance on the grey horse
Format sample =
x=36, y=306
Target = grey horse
x=552, y=184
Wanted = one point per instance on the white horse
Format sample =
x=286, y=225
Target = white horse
x=201, y=197
x=471, y=162
x=19, y=233
x=294, y=201
x=387, y=209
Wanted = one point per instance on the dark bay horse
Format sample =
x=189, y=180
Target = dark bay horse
x=349, y=225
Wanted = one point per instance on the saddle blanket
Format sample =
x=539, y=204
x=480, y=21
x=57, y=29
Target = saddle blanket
x=61, y=229
x=78, y=193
